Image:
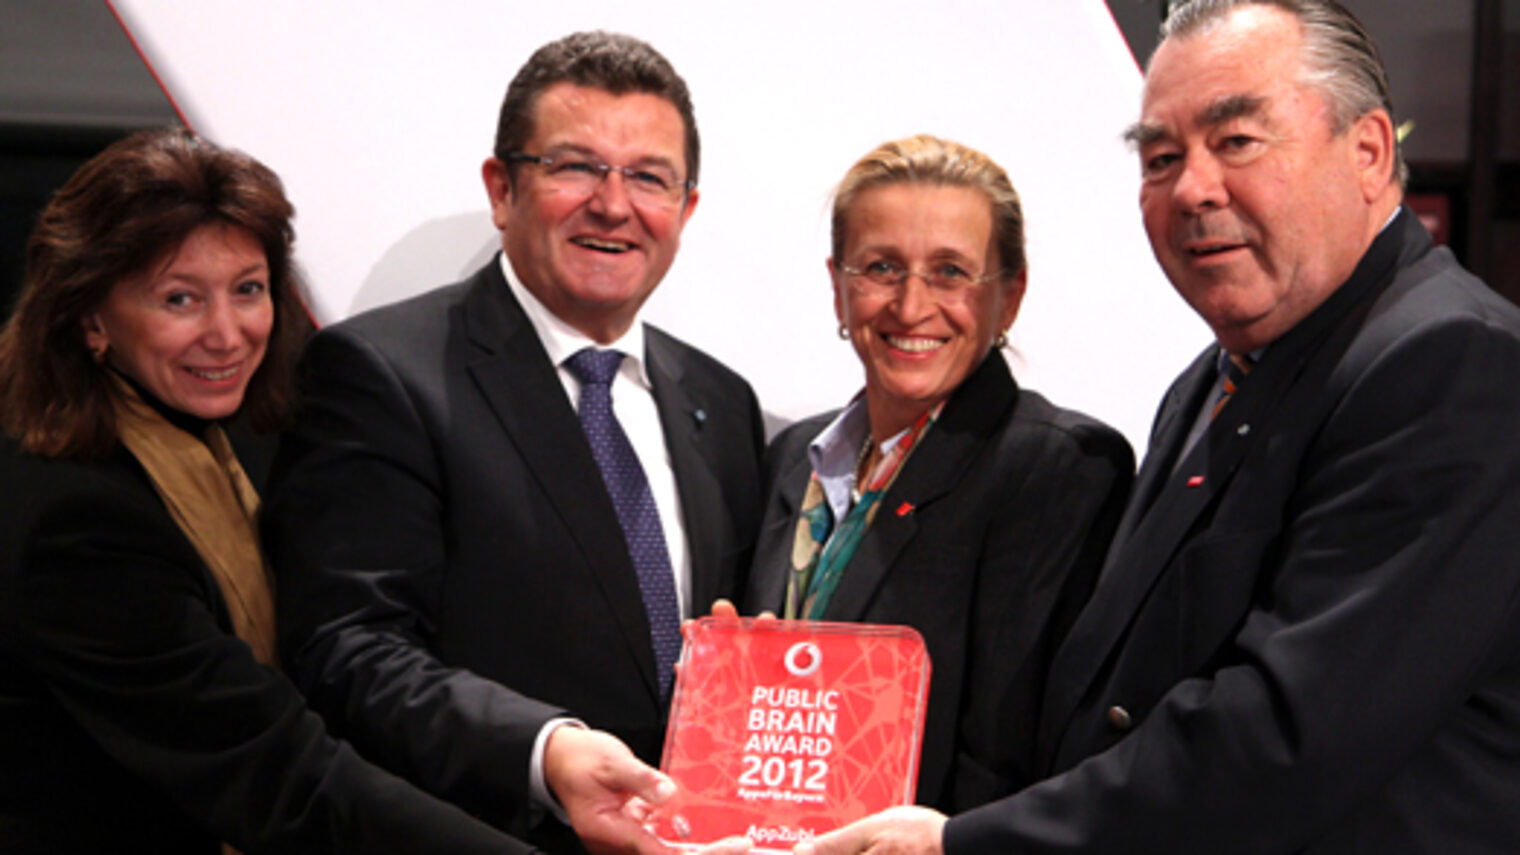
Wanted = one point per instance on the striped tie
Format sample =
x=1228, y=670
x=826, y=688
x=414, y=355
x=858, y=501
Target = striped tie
x=1234, y=374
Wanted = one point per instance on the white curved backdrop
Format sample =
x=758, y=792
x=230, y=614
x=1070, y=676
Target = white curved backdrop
x=378, y=115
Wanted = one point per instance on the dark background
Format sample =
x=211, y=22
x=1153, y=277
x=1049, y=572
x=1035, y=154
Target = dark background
x=71, y=82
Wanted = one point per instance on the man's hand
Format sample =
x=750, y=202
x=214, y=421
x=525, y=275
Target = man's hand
x=895, y=831
x=594, y=777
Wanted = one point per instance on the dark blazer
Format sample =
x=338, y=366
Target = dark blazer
x=133, y=720
x=1307, y=637
x=1012, y=504
x=451, y=569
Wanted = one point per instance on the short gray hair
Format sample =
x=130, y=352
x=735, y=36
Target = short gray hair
x=1340, y=59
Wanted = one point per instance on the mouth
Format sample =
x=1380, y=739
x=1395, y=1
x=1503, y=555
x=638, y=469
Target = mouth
x=913, y=344
x=1209, y=249
x=213, y=374
x=611, y=247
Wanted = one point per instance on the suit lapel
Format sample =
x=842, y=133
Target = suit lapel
x=694, y=460
x=981, y=403
x=773, y=552
x=513, y=373
x=879, y=547
x=1174, y=420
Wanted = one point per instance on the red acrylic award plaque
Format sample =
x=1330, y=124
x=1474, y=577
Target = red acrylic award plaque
x=782, y=730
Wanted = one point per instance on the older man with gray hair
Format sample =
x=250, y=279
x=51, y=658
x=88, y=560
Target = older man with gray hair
x=1306, y=637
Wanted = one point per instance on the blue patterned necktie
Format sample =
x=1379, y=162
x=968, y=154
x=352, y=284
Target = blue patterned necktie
x=634, y=503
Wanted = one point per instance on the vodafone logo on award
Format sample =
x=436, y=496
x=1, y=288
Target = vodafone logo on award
x=803, y=659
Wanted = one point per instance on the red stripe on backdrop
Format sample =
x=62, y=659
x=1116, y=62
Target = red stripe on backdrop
x=149, y=65
x=1107, y=7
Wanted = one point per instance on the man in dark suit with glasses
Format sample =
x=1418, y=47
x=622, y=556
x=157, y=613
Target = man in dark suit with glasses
x=506, y=493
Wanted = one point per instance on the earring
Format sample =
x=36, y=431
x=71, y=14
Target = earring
x=98, y=354
x=1001, y=341
x=844, y=334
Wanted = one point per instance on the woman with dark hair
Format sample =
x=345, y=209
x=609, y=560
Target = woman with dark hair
x=943, y=497
x=140, y=705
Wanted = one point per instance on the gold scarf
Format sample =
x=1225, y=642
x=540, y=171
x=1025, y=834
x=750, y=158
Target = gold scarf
x=212, y=501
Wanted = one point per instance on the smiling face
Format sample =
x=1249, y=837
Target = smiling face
x=1256, y=210
x=917, y=350
x=592, y=258
x=193, y=329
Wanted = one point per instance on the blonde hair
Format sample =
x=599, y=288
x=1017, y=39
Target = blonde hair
x=927, y=159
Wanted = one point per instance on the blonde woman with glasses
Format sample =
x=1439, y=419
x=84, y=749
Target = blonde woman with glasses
x=942, y=496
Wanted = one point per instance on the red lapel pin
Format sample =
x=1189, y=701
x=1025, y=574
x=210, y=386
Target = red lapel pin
x=904, y=509
x=1195, y=481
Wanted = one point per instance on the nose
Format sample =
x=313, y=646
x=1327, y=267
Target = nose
x=1200, y=184
x=221, y=332
x=914, y=303
x=610, y=199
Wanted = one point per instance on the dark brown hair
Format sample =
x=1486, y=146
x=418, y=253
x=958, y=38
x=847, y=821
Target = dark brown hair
x=611, y=62
x=123, y=212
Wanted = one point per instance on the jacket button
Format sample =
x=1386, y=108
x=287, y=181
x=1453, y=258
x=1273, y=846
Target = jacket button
x=1119, y=717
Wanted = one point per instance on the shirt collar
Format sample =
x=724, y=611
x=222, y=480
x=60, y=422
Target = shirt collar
x=835, y=452
x=562, y=341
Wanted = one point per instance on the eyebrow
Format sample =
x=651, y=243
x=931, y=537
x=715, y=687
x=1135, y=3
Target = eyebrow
x=251, y=270
x=647, y=160
x=1231, y=107
x=1140, y=134
x=940, y=253
x=1216, y=112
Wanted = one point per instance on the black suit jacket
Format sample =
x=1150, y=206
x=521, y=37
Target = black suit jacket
x=1307, y=637
x=133, y=720
x=1013, y=503
x=451, y=569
